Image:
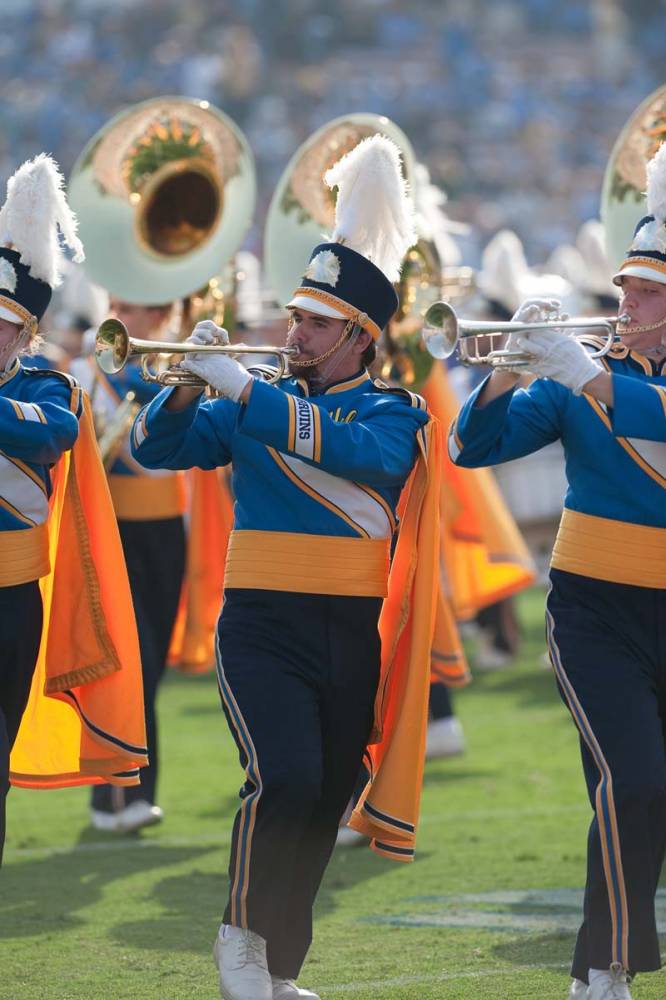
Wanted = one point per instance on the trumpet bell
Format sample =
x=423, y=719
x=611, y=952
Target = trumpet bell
x=440, y=330
x=164, y=194
x=112, y=346
x=303, y=207
x=623, y=191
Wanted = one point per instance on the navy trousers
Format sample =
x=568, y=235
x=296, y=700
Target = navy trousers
x=155, y=557
x=298, y=675
x=608, y=647
x=20, y=635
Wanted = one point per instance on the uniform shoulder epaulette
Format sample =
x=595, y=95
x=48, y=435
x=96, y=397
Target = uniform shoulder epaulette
x=591, y=340
x=72, y=382
x=414, y=399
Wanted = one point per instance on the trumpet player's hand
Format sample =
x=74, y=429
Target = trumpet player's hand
x=556, y=355
x=207, y=333
x=223, y=373
x=531, y=311
x=507, y=377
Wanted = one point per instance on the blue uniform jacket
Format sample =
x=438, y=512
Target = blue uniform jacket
x=330, y=465
x=615, y=461
x=39, y=411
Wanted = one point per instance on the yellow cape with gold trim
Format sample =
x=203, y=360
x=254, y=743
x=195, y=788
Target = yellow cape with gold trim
x=84, y=722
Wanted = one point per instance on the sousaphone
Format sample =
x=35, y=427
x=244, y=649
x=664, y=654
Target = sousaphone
x=625, y=180
x=165, y=194
x=302, y=209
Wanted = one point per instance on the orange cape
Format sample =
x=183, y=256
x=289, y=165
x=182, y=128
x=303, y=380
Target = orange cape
x=84, y=722
x=388, y=809
x=484, y=556
x=210, y=516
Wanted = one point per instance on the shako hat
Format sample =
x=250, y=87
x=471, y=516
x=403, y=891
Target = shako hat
x=646, y=257
x=351, y=275
x=32, y=220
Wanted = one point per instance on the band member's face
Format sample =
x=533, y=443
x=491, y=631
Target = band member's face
x=142, y=322
x=9, y=344
x=645, y=302
x=313, y=334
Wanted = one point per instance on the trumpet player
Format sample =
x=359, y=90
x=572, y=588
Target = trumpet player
x=319, y=462
x=606, y=606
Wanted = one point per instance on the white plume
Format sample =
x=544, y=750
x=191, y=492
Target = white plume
x=374, y=213
x=591, y=243
x=656, y=184
x=432, y=222
x=503, y=268
x=35, y=209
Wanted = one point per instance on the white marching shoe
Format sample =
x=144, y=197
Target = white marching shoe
x=609, y=985
x=444, y=738
x=240, y=956
x=286, y=989
x=578, y=990
x=133, y=817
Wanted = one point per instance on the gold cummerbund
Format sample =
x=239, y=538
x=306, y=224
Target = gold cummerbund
x=147, y=498
x=307, y=564
x=24, y=555
x=610, y=550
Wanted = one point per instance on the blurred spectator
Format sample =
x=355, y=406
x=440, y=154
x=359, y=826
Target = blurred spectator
x=513, y=106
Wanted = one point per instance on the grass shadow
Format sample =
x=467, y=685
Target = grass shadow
x=47, y=895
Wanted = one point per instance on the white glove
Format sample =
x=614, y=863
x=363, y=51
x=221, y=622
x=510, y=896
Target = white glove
x=554, y=354
x=221, y=371
x=208, y=332
x=529, y=311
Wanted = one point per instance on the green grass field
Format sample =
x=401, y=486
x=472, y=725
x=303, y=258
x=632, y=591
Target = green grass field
x=488, y=910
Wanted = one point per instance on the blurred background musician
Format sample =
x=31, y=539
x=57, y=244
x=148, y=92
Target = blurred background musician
x=165, y=193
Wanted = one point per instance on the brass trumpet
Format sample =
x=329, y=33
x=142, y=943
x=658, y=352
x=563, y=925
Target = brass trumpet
x=114, y=347
x=443, y=332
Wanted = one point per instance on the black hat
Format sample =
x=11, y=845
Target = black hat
x=22, y=297
x=343, y=284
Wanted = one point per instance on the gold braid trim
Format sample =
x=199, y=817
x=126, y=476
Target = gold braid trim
x=30, y=322
x=652, y=262
x=361, y=318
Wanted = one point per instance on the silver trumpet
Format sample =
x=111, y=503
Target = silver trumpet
x=443, y=332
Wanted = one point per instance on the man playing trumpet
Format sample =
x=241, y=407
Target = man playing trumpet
x=319, y=463
x=607, y=602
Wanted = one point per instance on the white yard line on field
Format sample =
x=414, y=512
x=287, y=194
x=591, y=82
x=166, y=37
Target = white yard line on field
x=442, y=977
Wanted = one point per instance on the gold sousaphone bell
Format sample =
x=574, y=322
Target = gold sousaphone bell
x=164, y=193
x=114, y=348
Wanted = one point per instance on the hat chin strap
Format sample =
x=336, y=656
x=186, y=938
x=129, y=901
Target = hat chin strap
x=622, y=329
x=333, y=356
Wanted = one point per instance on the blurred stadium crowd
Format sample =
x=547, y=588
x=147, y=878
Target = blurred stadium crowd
x=513, y=105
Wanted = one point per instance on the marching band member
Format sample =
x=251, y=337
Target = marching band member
x=149, y=507
x=607, y=602
x=55, y=590
x=319, y=463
